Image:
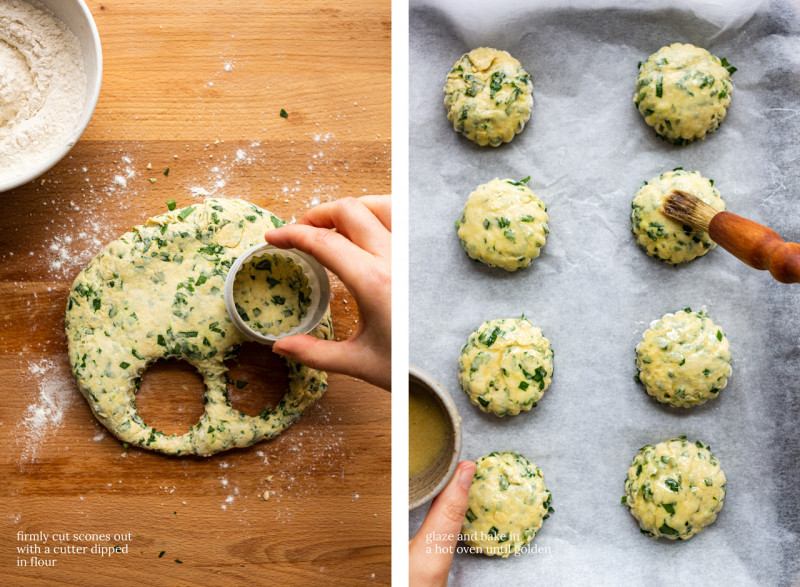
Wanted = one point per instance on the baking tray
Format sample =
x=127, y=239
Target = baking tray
x=594, y=292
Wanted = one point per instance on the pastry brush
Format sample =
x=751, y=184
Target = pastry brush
x=756, y=245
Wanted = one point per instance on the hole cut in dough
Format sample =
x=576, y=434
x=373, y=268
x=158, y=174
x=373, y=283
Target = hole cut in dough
x=180, y=409
x=257, y=379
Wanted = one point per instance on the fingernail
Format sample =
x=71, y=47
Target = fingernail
x=466, y=473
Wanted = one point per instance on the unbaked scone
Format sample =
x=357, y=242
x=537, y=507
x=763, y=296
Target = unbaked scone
x=684, y=359
x=271, y=294
x=488, y=96
x=506, y=366
x=507, y=504
x=157, y=292
x=662, y=237
x=683, y=92
x=503, y=224
x=674, y=489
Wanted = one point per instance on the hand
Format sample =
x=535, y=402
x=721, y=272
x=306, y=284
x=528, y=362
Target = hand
x=359, y=251
x=430, y=552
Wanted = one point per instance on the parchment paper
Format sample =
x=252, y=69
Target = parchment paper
x=594, y=292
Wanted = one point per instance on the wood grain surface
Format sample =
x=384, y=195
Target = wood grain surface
x=198, y=87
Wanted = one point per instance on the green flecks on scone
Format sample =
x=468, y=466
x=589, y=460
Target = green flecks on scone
x=683, y=359
x=683, y=92
x=506, y=366
x=271, y=294
x=675, y=489
x=508, y=502
x=158, y=292
x=488, y=96
x=662, y=237
x=504, y=224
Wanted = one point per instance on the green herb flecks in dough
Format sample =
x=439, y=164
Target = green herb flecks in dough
x=506, y=366
x=272, y=294
x=674, y=489
x=683, y=359
x=662, y=237
x=508, y=502
x=683, y=92
x=503, y=224
x=488, y=96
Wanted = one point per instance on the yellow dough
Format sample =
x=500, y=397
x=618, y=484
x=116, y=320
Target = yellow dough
x=684, y=359
x=507, y=504
x=488, y=96
x=675, y=489
x=503, y=224
x=157, y=293
x=272, y=294
x=506, y=366
x=660, y=236
x=683, y=92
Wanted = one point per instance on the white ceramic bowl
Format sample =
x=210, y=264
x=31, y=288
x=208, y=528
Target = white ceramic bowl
x=76, y=15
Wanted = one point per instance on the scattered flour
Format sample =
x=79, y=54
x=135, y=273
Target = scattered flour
x=228, y=64
x=199, y=191
x=42, y=87
x=45, y=415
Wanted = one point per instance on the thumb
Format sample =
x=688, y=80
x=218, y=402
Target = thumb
x=442, y=525
x=324, y=355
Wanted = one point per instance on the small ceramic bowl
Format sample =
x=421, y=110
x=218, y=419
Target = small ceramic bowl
x=427, y=485
x=76, y=16
x=317, y=280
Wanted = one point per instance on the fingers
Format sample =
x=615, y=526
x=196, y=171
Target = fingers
x=381, y=206
x=356, y=221
x=346, y=357
x=325, y=355
x=439, y=531
x=331, y=249
x=447, y=511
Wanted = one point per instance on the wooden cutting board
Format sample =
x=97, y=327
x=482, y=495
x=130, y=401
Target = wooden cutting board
x=197, y=87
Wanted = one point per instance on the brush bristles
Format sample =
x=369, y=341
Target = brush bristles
x=688, y=209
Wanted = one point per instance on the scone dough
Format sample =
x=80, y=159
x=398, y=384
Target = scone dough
x=271, y=294
x=506, y=366
x=488, y=96
x=683, y=92
x=662, y=237
x=507, y=504
x=675, y=489
x=684, y=359
x=157, y=293
x=503, y=224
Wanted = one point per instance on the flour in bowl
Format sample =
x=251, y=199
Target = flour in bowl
x=42, y=86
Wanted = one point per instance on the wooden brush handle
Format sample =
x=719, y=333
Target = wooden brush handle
x=756, y=245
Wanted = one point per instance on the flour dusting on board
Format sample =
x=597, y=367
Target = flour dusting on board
x=228, y=64
x=81, y=232
x=46, y=414
x=320, y=447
